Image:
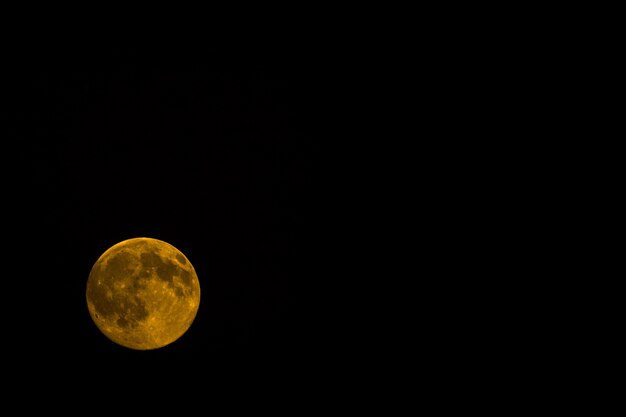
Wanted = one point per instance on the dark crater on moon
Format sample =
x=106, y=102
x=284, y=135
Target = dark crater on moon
x=165, y=270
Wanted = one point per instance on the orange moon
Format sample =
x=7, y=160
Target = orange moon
x=143, y=293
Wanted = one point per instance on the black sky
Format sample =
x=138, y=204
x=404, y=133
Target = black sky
x=216, y=157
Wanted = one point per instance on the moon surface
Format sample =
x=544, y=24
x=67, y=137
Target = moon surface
x=143, y=293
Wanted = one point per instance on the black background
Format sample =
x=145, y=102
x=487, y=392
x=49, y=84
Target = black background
x=217, y=156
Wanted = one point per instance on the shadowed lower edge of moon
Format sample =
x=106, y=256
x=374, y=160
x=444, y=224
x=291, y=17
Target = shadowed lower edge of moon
x=143, y=293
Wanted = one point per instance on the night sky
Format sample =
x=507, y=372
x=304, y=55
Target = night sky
x=215, y=156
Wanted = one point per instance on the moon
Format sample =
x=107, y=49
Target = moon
x=143, y=293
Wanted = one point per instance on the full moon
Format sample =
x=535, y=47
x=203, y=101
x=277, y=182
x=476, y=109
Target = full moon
x=143, y=293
